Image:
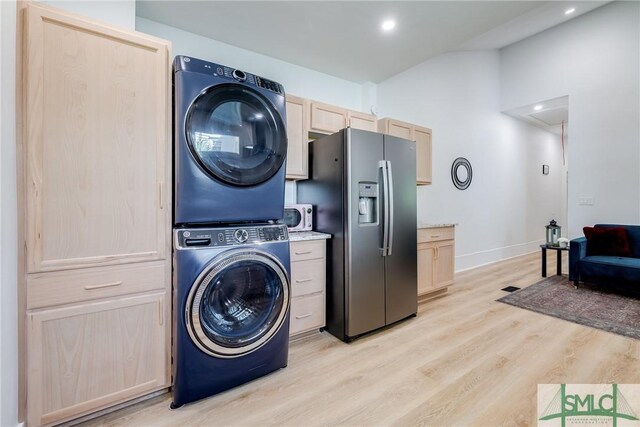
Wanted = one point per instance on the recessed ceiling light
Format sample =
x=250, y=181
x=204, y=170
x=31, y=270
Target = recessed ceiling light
x=388, y=25
x=569, y=11
x=538, y=107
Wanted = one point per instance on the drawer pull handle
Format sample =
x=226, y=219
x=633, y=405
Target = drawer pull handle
x=303, y=253
x=303, y=280
x=304, y=315
x=434, y=236
x=104, y=285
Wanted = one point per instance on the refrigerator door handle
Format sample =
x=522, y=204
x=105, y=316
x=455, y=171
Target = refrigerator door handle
x=390, y=221
x=385, y=195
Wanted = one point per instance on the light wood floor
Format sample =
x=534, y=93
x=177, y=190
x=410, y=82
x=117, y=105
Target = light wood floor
x=465, y=360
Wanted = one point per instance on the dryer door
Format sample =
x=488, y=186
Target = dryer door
x=238, y=303
x=236, y=135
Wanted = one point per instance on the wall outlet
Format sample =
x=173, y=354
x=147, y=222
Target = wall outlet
x=586, y=201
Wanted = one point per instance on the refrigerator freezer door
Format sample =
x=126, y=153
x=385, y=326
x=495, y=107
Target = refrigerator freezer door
x=402, y=264
x=365, y=299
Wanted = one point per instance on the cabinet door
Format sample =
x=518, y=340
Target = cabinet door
x=86, y=357
x=444, y=263
x=423, y=155
x=399, y=129
x=362, y=121
x=426, y=257
x=327, y=118
x=297, y=135
x=97, y=143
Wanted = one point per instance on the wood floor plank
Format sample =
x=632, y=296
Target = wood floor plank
x=465, y=360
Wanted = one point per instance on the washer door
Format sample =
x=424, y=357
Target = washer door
x=238, y=303
x=236, y=135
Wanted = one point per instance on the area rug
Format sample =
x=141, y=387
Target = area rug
x=588, y=305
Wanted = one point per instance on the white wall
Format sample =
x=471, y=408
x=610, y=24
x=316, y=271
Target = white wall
x=595, y=59
x=504, y=211
x=296, y=80
x=8, y=220
x=115, y=12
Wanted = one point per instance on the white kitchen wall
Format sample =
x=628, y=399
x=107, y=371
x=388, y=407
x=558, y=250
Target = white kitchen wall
x=504, y=211
x=296, y=80
x=115, y=12
x=8, y=220
x=595, y=59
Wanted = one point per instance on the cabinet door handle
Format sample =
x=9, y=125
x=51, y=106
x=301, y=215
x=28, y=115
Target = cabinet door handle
x=160, y=196
x=303, y=280
x=103, y=285
x=303, y=253
x=304, y=315
x=437, y=253
x=161, y=312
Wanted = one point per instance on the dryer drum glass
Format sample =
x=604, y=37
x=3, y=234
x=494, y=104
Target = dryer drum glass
x=236, y=135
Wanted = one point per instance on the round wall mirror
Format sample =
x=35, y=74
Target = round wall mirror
x=461, y=173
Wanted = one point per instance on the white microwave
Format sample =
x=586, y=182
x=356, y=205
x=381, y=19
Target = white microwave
x=298, y=217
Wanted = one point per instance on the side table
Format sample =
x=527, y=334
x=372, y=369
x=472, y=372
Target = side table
x=559, y=250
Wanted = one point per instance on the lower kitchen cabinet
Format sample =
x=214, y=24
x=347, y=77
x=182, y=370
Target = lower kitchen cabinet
x=436, y=259
x=308, y=283
x=85, y=357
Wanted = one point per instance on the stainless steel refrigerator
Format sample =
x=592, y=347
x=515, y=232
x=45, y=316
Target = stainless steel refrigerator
x=363, y=188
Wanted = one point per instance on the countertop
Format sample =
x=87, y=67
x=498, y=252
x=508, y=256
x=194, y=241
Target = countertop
x=297, y=236
x=428, y=225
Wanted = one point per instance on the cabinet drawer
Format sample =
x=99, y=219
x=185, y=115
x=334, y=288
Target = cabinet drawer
x=435, y=234
x=69, y=286
x=307, y=277
x=312, y=249
x=307, y=313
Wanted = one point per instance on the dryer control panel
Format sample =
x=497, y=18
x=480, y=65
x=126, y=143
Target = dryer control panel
x=229, y=236
x=185, y=63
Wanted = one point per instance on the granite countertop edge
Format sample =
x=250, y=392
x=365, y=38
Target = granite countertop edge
x=299, y=236
x=436, y=225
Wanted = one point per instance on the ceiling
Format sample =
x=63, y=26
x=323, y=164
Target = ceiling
x=549, y=116
x=344, y=38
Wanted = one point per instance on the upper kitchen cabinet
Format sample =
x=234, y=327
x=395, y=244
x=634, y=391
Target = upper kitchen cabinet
x=298, y=137
x=422, y=137
x=362, y=121
x=326, y=119
x=96, y=142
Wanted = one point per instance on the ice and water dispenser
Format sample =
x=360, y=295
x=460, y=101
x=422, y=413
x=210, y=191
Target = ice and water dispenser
x=367, y=203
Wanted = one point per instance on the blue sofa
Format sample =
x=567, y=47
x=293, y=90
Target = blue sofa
x=594, y=269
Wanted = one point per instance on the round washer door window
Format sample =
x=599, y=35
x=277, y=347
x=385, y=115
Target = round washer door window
x=236, y=135
x=237, y=303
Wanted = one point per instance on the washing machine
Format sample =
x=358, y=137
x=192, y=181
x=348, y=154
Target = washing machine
x=231, y=307
x=230, y=145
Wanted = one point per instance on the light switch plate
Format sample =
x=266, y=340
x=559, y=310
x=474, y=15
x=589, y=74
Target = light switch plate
x=586, y=201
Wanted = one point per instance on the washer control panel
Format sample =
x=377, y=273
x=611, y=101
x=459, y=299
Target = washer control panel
x=229, y=236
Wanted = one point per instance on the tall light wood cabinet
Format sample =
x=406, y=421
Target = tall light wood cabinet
x=298, y=137
x=96, y=175
x=436, y=259
x=422, y=137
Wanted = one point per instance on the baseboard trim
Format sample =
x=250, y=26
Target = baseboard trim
x=491, y=256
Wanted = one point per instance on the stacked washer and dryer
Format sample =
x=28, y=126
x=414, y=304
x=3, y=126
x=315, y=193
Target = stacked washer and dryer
x=231, y=256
